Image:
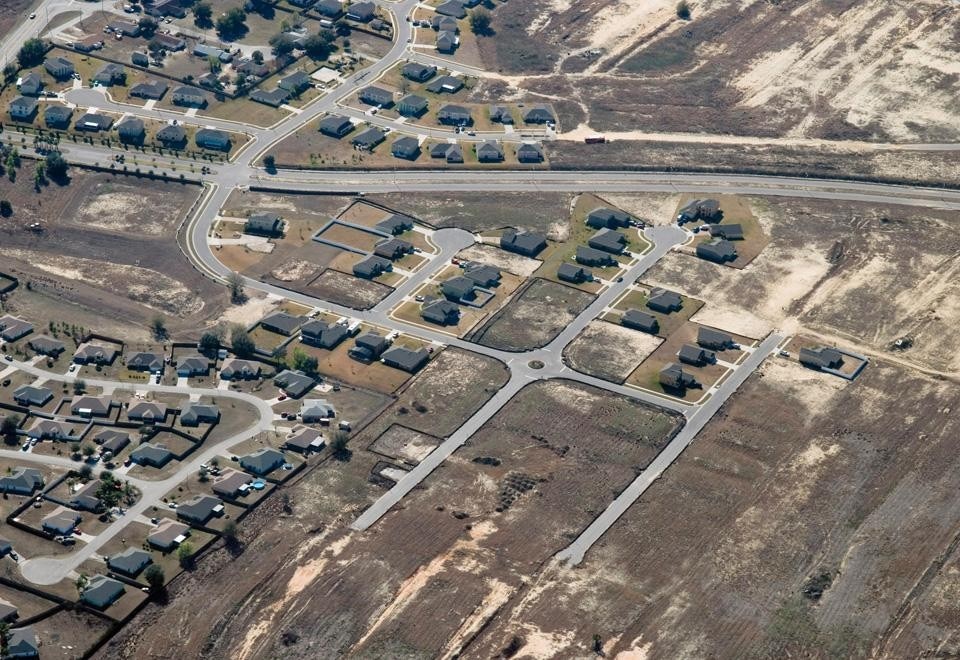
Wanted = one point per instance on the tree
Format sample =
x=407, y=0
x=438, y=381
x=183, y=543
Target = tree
x=79, y=386
x=203, y=16
x=88, y=450
x=109, y=491
x=480, y=20
x=204, y=475
x=8, y=429
x=56, y=165
x=148, y=27
x=338, y=445
x=185, y=554
x=6, y=208
x=257, y=57
x=319, y=46
x=155, y=578
x=302, y=361
x=281, y=44
x=31, y=53
x=232, y=24
x=81, y=583
x=86, y=472
x=683, y=10
x=241, y=343
x=230, y=536
x=270, y=162
x=209, y=342
x=235, y=284
x=158, y=326
x=4, y=638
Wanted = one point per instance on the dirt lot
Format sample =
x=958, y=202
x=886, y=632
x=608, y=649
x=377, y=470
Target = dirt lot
x=533, y=317
x=609, y=351
x=455, y=570
x=108, y=248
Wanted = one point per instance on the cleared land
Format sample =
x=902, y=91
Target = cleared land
x=609, y=351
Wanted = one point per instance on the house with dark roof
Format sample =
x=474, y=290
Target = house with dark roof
x=264, y=223
x=94, y=122
x=316, y=410
x=295, y=82
x=447, y=41
x=91, y=406
x=715, y=340
x=412, y=105
x=527, y=243
x=376, y=96
x=822, y=357
x=172, y=136
x=445, y=85
x=59, y=67
x=406, y=359
x=112, y=440
x=193, y=365
x=126, y=28
x=148, y=412
x=732, y=232
x=46, y=345
x=28, y=395
x=445, y=24
x=48, y=428
x=696, y=355
x=323, y=334
x=263, y=461
x=281, y=323
x=189, y=97
x=23, y=108
x=22, y=481
x=589, y=256
x=395, y=224
x=12, y=328
x=483, y=275
x=501, y=114
x=406, y=147
x=237, y=369
x=211, y=138
x=130, y=562
x=418, y=72
x=452, y=8
x=453, y=153
x=85, y=498
x=294, y=383
x=146, y=361
x=101, y=592
x=607, y=218
x=538, y=114
x=131, y=130
x=368, y=347
x=717, y=250
x=664, y=301
x=200, y=509
x=61, y=521
x=23, y=643
x=574, y=274
x=31, y=84
x=335, y=126
x=168, y=534
x=368, y=139
x=304, y=440
x=489, y=151
x=372, y=266
x=329, y=8
x=57, y=116
x=250, y=68
x=194, y=414
x=362, y=12
x=707, y=210
x=458, y=289
x=393, y=248
x=529, y=152
x=634, y=318
x=273, y=97
x=141, y=59
x=454, y=115
x=674, y=377
x=608, y=240
x=440, y=311
x=110, y=74
x=94, y=353
x=231, y=484
x=169, y=42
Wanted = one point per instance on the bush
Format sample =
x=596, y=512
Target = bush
x=31, y=53
x=6, y=208
x=683, y=10
x=480, y=20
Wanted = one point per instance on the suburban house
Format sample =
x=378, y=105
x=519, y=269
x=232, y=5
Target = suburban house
x=304, y=440
x=452, y=8
x=23, y=108
x=22, y=481
x=664, y=301
x=376, y=96
x=126, y=28
x=445, y=85
x=294, y=383
x=131, y=130
x=368, y=347
x=453, y=153
x=589, y=256
x=193, y=365
x=295, y=83
x=322, y=334
x=395, y=224
x=85, y=499
x=208, y=51
x=696, y=355
x=715, y=340
x=406, y=147
x=362, y=12
x=274, y=97
x=729, y=232
x=147, y=412
x=440, y=311
x=264, y=224
x=707, y=210
x=112, y=440
x=717, y=250
x=61, y=521
x=31, y=84
x=57, y=116
x=94, y=122
x=329, y=8
x=29, y=395
x=369, y=139
x=92, y=353
x=130, y=562
x=110, y=74
x=281, y=323
x=489, y=151
x=607, y=218
x=393, y=248
x=608, y=240
x=313, y=411
x=335, y=126
x=674, y=377
x=483, y=275
x=194, y=414
x=146, y=361
x=539, y=114
x=371, y=267
x=527, y=243
x=445, y=24
x=231, y=484
x=634, y=318
x=169, y=42
x=412, y=105
x=211, y=138
x=172, y=136
x=138, y=58
x=48, y=428
x=418, y=72
x=458, y=289
x=822, y=357
x=263, y=461
x=102, y=592
x=189, y=97
x=23, y=643
x=199, y=509
x=168, y=534
x=12, y=328
x=501, y=114
x=237, y=369
x=91, y=406
x=405, y=358
x=46, y=345
x=447, y=41
x=59, y=67
x=574, y=273
x=249, y=67
x=454, y=115
x=529, y=152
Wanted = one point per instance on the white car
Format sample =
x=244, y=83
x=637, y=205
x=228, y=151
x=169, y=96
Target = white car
x=33, y=15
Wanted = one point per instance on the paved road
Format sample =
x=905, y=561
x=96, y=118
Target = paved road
x=575, y=552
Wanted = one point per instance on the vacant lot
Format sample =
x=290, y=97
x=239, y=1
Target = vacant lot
x=535, y=315
x=609, y=351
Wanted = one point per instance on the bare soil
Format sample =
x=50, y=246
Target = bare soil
x=609, y=351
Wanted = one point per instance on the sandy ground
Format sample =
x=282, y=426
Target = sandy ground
x=610, y=351
x=508, y=261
